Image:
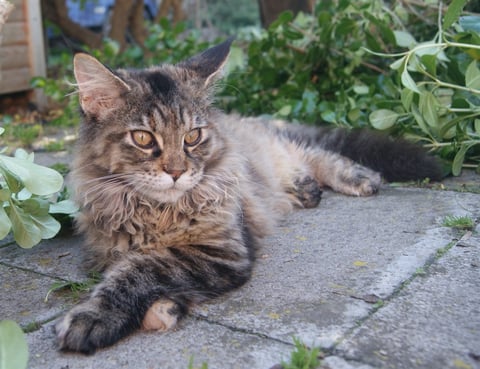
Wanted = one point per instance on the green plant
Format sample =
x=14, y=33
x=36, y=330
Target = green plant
x=190, y=364
x=314, y=67
x=55, y=146
x=440, y=89
x=75, y=288
x=302, y=357
x=333, y=67
x=460, y=222
x=13, y=346
x=27, y=199
x=26, y=133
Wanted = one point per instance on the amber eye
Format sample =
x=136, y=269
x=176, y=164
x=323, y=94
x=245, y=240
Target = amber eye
x=143, y=139
x=193, y=137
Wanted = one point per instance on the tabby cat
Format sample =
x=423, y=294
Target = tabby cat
x=175, y=195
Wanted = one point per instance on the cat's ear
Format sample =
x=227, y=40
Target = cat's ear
x=100, y=90
x=208, y=64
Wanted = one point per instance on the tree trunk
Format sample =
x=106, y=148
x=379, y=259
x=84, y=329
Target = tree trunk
x=119, y=21
x=137, y=23
x=271, y=9
x=56, y=12
x=164, y=10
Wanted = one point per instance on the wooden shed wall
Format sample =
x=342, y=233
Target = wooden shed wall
x=22, y=54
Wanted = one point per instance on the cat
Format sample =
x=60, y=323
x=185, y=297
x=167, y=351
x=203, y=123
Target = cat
x=176, y=195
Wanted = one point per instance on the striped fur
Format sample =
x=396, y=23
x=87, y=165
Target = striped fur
x=176, y=195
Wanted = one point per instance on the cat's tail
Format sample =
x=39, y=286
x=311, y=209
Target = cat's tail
x=395, y=159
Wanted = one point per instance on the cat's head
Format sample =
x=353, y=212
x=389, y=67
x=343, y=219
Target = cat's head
x=150, y=129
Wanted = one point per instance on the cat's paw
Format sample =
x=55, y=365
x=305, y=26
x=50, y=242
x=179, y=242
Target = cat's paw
x=360, y=181
x=162, y=315
x=307, y=191
x=83, y=330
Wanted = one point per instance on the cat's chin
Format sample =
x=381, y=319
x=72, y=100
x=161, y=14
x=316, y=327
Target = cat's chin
x=169, y=196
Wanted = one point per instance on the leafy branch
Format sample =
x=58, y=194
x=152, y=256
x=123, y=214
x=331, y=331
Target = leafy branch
x=440, y=82
x=27, y=199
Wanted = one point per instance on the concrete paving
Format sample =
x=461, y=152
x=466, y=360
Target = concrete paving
x=374, y=282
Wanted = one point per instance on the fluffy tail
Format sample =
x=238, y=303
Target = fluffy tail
x=396, y=159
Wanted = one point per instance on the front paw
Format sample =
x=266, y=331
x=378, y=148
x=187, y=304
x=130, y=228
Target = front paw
x=360, y=181
x=83, y=330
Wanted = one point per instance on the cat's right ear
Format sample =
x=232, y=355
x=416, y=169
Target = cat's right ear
x=100, y=90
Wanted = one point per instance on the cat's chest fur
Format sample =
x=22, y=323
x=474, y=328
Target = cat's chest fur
x=163, y=227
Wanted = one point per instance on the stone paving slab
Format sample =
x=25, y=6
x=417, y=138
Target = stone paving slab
x=23, y=297
x=60, y=257
x=434, y=322
x=196, y=340
x=321, y=277
x=324, y=262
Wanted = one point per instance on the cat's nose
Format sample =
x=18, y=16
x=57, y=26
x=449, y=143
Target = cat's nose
x=174, y=173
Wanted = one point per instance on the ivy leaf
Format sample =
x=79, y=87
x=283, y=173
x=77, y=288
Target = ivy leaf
x=37, y=179
x=13, y=346
x=383, y=118
x=453, y=12
x=472, y=76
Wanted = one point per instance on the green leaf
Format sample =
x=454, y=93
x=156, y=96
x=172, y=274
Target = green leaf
x=25, y=232
x=63, y=207
x=419, y=119
x=37, y=179
x=13, y=346
x=430, y=63
x=383, y=118
x=408, y=82
x=35, y=206
x=5, y=194
x=13, y=182
x=406, y=96
x=472, y=76
x=453, y=13
x=458, y=160
x=477, y=126
x=361, y=89
x=5, y=224
x=404, y=39
x=22, y=154
x=470, y=23
x=48, y=225
x=397, y=64
x=428, y=108
x=285, y=111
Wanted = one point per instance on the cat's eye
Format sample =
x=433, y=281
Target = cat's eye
x=143, y=139
x=193, y=137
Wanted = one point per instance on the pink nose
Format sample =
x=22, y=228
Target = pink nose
x=174, y=173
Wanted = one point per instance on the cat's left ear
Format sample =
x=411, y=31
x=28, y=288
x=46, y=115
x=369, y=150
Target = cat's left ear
x=208, y=65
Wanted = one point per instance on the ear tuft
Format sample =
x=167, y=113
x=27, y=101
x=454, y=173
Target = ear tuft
x=99, y=88
x=210, y=62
